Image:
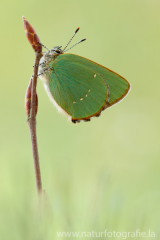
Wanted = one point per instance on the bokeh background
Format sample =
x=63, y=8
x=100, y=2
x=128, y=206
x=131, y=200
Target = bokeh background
x=104, y=174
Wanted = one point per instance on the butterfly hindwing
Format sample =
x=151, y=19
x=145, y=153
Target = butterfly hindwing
x=118, y=85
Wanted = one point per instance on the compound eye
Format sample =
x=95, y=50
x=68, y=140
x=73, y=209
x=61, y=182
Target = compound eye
x=58, y=51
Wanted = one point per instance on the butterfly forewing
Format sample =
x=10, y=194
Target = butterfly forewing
x=77, y=88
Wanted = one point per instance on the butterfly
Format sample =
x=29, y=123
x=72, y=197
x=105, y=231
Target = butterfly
x=78, y=86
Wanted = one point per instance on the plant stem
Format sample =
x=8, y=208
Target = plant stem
x=32, y=125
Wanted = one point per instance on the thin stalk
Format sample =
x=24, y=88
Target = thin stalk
x=32, y=125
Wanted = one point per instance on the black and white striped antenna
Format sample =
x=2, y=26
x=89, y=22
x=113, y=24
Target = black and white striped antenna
x=71, y=40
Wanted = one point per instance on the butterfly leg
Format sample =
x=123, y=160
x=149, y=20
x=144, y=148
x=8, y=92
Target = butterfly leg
x=40, y=64
x=47, y=58
x=45, y=70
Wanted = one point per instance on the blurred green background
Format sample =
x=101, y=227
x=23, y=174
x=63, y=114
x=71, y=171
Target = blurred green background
x=104, y=174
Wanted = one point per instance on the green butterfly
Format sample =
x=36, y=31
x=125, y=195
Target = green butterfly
x=77, y=86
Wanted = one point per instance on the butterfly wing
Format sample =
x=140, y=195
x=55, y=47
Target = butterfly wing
x=118, y=86
x=79, y=90
x=83, y=88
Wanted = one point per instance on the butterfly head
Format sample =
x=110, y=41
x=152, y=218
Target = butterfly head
x=52, y=54
x=56, y=50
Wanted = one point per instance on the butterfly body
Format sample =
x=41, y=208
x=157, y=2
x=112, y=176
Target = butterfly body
x=79, y=87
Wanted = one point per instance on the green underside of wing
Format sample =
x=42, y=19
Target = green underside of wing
x=78, y=89
x=118, y=86
x=82, y=87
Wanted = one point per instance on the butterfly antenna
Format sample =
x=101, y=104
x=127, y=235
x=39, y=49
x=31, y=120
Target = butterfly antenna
x=71, y=38
x=75, y=44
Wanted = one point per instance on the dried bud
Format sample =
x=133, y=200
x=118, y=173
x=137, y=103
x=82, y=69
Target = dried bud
x=32, y=36
x=28, y=100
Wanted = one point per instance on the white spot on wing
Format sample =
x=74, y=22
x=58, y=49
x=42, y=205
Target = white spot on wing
x=81, y=99
x=74, y=102
x=95, y=75
x=86, y=95
x=89, y=90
